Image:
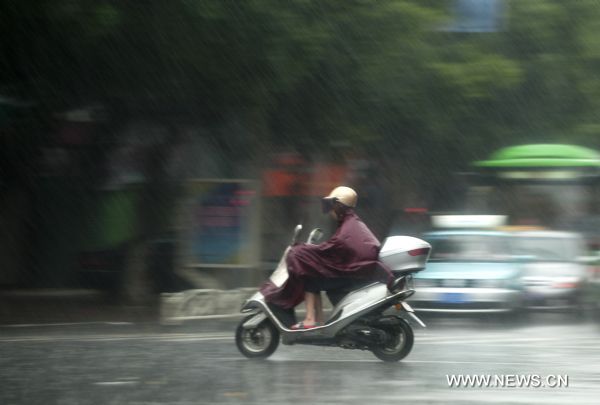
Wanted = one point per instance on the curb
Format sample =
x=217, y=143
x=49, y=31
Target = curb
x=206, y=304
x=85, y=306
x=176, y=308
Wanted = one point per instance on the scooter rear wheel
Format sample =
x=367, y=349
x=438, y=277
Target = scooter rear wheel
x=259, y=342
x=398, y=345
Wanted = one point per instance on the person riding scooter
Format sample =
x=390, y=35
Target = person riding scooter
x=351, y=254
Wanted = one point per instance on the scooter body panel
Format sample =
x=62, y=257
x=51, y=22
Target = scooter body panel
x=355, y=305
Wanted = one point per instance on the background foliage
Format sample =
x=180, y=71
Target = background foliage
x=386, y=78
x=350, y=69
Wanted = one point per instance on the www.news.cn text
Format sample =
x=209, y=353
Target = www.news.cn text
x=507, y=381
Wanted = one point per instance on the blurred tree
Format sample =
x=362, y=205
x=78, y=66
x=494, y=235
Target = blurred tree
x=386, y=76
x=339, y=68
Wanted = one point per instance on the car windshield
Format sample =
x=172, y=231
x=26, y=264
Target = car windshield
x=469, y=248
x=548, y=249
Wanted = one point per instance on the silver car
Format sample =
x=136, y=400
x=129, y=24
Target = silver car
x=468, y=271
x=554, y=272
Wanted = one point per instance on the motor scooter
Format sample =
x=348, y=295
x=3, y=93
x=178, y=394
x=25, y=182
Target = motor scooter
x=362, y=318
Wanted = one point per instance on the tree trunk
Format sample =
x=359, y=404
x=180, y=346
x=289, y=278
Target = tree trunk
x=154, y=206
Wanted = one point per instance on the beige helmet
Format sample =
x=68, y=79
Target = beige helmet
x=341, y=194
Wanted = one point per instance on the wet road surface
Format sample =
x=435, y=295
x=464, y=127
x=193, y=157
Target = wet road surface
x=199, y=364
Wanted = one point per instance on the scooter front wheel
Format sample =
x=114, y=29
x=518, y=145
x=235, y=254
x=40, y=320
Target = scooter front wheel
x=259, y=342
x=399, y=344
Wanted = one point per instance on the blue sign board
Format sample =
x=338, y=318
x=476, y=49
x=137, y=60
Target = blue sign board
x=221, y=223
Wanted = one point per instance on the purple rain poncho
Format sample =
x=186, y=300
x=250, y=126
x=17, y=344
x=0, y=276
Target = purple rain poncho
x=351, y=252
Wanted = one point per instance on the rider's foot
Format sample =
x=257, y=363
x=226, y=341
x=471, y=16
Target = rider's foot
x=305, y=325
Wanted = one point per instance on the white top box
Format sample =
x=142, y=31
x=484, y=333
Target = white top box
x=405, y=253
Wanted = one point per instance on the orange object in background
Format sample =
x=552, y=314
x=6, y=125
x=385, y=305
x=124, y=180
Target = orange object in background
x=285, y=177
x=278, y=183
x=292, y=176
x=324, y=178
